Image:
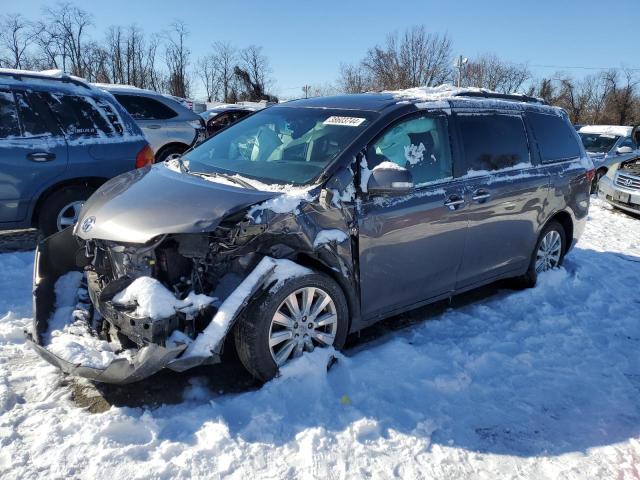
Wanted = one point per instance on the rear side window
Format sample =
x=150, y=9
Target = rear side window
x=35, y=115
x=556, y=138
x=144, y=108
x=493, y=142
x=85, y=117
x=9, y=126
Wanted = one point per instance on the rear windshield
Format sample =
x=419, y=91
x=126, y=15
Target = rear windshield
x=280, y=144
x=598, y=142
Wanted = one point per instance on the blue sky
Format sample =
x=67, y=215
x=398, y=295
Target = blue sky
x=306, y=41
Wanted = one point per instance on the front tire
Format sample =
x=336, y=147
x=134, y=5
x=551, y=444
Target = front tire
x=60, y=209
x=170, y=152
x=547, y=255
x=301, y=314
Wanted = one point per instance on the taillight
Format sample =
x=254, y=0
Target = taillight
x=591, y=174
x=145, y=157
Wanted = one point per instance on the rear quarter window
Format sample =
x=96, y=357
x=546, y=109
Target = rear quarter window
x=84, y=117
x=144, y=108
x=9, y=125
x=556, y=139
x=493, y=141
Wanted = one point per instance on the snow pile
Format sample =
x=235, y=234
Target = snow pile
x=69, y=334
x=541, y=383
x=327, y=236
x=207, y=341
x=153, y=300
x=607, y=130
x=439, y=93
x=387, y=165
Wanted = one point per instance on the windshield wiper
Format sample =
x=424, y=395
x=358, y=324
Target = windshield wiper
x=233, y=179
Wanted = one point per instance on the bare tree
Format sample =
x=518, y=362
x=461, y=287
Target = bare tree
x=16, y=35
x=177, y=56
x=253, y=72
x=489, y=71
x=415, y=58
x=68, y=28
x=354, y=79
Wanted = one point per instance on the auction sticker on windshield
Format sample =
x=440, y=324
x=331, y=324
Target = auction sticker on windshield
x=345, y=121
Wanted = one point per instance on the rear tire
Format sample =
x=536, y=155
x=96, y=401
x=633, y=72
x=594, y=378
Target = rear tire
x=261, y=325
x=60, y=209
x=167, y=153
x=529, y=279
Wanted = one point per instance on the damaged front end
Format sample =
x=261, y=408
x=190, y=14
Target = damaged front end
x=106, y=334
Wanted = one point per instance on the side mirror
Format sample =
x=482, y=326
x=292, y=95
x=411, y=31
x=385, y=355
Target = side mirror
x=390, y=179
x=624, y=150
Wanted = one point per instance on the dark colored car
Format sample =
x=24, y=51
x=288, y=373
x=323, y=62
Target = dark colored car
x=222, y=116
x=60, y=139
x=312, y=220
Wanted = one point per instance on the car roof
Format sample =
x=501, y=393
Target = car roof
x=47, y=78
x=444, y=95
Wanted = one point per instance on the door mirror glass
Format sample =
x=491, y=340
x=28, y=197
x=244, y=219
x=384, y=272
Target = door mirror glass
x=389, y=179
x=624, y=150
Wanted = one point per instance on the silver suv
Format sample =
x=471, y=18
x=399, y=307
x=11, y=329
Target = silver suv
x=170, y=127
x=620, y=186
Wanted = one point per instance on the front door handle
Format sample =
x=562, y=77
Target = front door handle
x=154, y=126
x=454, y=202
x=480, y=195
x=41, y=156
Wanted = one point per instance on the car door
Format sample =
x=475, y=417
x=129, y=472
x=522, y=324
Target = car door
x=410, y=246
x=154, y=118
x=33, y=152
x=505, y=193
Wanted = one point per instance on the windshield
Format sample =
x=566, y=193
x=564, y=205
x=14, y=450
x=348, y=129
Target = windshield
x=280, y=144
x=598, y=142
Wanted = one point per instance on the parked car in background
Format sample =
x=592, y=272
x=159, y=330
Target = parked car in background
x=170, y=127
x=310, y=220
x=620, y=186
x=222, y=116
x=608, y=145
x=60, y=139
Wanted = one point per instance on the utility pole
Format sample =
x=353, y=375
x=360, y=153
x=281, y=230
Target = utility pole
x=306, y=89
x=459, y=63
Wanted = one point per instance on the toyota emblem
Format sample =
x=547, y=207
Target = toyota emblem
x=87, y=224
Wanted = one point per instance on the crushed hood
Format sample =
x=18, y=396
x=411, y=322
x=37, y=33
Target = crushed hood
x=139, y=205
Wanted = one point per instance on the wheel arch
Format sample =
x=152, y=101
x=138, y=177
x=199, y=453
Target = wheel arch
x=92, y=182
x=563, y=218
x=314, y=263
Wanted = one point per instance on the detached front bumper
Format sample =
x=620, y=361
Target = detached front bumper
x=60, y=254
x=627, y=199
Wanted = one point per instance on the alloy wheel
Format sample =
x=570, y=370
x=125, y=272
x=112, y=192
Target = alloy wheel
x=69, y=214
x=549, y=252
x=305, y=319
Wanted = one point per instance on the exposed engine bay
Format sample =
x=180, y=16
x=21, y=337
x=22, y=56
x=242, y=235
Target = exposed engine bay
x=211, y=264
x=632, y=167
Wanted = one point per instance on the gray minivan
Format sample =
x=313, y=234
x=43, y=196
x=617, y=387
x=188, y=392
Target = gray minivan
x=311, y=220
x=60, y=139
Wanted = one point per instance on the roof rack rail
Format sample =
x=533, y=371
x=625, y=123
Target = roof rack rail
x=19, y=75
x=501, y=96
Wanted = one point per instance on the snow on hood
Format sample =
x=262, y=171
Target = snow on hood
x=617, y=130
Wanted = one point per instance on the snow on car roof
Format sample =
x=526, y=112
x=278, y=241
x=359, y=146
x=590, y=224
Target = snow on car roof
x=11, y=75
x=617, y=130
x=447, y=92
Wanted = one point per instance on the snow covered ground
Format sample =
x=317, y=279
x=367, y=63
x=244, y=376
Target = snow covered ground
x=543, y=383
